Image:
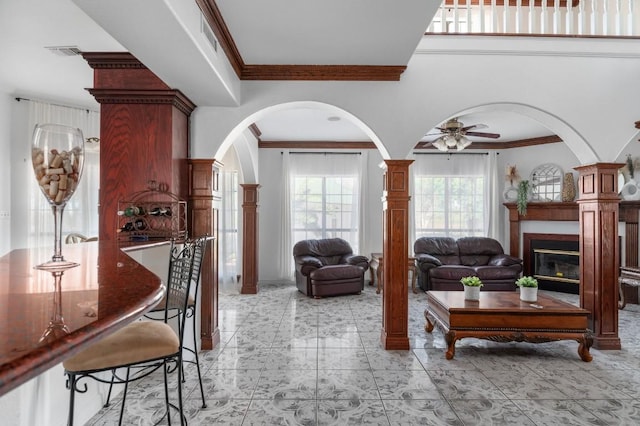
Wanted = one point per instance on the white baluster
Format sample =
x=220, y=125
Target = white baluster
x=593, y=17
x=494, y=17
x=482, y=17
x=569, y=18
x=581, y=18
x=505, y=17
x=630, y=22
x=605, y=18
x=618, y=18
x=469, y=26
x=543, y=18
x=518, y=19
x=456, y=17
x=532, y=17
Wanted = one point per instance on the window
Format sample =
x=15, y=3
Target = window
x=449, y=206
x=323, y=207
x=451, y=195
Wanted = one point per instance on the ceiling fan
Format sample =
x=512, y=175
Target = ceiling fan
x=454, y=135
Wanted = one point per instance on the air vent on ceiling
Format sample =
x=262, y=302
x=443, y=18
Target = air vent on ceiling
x=64, y=50
x=208, y=33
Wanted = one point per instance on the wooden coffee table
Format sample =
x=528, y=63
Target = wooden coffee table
x=501, y=316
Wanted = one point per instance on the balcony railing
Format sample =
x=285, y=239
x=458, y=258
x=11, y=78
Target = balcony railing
x=607, y=18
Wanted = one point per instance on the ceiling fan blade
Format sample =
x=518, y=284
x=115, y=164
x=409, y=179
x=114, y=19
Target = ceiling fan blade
x=474, y=126
x=484, y=135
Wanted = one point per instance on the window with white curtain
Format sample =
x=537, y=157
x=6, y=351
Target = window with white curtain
x=451, y=195
x=228, y=232
x=323, y=195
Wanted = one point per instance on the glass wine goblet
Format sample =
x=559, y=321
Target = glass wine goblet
x=57, y=155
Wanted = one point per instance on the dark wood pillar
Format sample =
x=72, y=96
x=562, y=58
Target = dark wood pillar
x=599, y=251
x=250, y=238
x=395, y=223
x=204, y=217
x=144, y=133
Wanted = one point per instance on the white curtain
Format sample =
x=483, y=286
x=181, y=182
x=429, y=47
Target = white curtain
x=285, y=266
x=494, y=201
x=228, y=264
x=453, y=165
x=315, y=164
x=81, y=212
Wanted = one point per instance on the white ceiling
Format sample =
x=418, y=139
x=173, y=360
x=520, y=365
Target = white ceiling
x=357, y=32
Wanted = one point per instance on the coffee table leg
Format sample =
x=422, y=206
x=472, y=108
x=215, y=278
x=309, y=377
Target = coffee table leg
x=428, y=327
x=450, y=338
x=584, y=343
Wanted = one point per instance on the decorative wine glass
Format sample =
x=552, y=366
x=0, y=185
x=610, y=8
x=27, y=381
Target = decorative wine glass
x=57, y=155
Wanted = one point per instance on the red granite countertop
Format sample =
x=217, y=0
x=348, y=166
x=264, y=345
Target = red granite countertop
x=107, y=291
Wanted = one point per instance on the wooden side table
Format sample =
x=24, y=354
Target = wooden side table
x=376, y=266
x=630, y=276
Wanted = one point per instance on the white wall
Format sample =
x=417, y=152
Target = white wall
x=5, y=172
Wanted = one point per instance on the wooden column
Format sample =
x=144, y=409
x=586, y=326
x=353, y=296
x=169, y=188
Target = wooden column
x=395, y=223
x=250, y=238
x=204, y=216
x=144, y=133
x=599, y=252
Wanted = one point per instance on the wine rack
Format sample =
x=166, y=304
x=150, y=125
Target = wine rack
x=152, y=215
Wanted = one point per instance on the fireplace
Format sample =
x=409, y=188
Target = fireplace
x=554, y=260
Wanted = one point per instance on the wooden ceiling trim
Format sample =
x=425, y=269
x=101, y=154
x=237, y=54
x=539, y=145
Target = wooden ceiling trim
x=323, y=72
x=316, y=145
x=214, y=18
x=244, y=71
x=111, y=60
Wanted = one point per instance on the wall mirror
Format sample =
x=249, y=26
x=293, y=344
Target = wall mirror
x=546, y=183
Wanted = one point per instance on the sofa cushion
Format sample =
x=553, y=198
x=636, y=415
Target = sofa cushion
x=329, y=251
x=451, y=272
x=445, y=249
x=475, y=251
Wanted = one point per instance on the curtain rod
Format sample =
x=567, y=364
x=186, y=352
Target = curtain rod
x=453, y=153
x=325, y=153
x=18, y=98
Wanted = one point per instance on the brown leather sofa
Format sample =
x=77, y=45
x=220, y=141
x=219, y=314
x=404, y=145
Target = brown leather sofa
x=442, y=261
x=328, y=267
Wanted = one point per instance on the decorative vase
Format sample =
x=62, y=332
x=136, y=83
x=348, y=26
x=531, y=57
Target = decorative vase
x=568, y=188
x=630, y=190
x=471, y=292
x=529, y=294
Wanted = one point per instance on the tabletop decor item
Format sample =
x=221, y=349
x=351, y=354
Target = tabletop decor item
x=57, y=156
x=472, y=286
x=528, y=288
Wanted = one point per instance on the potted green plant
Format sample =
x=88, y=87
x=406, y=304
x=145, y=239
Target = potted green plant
x=472, y=286
x=523, y=197
x=528, y=288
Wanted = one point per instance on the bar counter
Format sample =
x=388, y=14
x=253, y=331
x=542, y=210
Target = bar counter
x=43, y=323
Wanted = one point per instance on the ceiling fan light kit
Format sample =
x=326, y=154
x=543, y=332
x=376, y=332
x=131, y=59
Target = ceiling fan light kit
x=454, y=135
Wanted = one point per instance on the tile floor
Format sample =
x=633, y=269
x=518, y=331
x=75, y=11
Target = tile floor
x=286, y=359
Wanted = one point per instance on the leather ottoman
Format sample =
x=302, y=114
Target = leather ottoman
x=335, y=280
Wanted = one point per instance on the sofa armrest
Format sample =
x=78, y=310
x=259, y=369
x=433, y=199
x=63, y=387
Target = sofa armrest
x=504, y=260
x=426, y=261
x=358, y=260
x=307, y=264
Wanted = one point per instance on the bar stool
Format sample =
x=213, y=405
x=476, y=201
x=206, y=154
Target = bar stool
x=144, y=346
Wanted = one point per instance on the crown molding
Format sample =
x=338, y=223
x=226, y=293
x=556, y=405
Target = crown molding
x=124, y=96
x=316, y=145
x=112, y=60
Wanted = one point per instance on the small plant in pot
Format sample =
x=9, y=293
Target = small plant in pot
x=472, y=286
x=528, y=288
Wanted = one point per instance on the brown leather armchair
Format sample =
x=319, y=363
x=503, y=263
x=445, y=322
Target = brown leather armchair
x=328, y=267
x=442, y=261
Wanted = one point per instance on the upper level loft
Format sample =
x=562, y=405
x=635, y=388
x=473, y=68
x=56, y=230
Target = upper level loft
x=586, y=18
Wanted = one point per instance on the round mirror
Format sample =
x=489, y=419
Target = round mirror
x=546, y=183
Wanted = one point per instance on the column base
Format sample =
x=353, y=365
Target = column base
x=606, y=343
x=394, y=342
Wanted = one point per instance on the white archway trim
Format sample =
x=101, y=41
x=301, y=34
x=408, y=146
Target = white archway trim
x=571, y=137
x=236, y=132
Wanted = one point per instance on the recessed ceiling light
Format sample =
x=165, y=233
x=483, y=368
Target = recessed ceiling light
x=334, y=118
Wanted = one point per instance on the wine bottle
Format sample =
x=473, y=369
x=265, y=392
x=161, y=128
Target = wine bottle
x=131, y=211
x=136, y=225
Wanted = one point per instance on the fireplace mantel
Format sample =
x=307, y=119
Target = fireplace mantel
x=568, y=211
